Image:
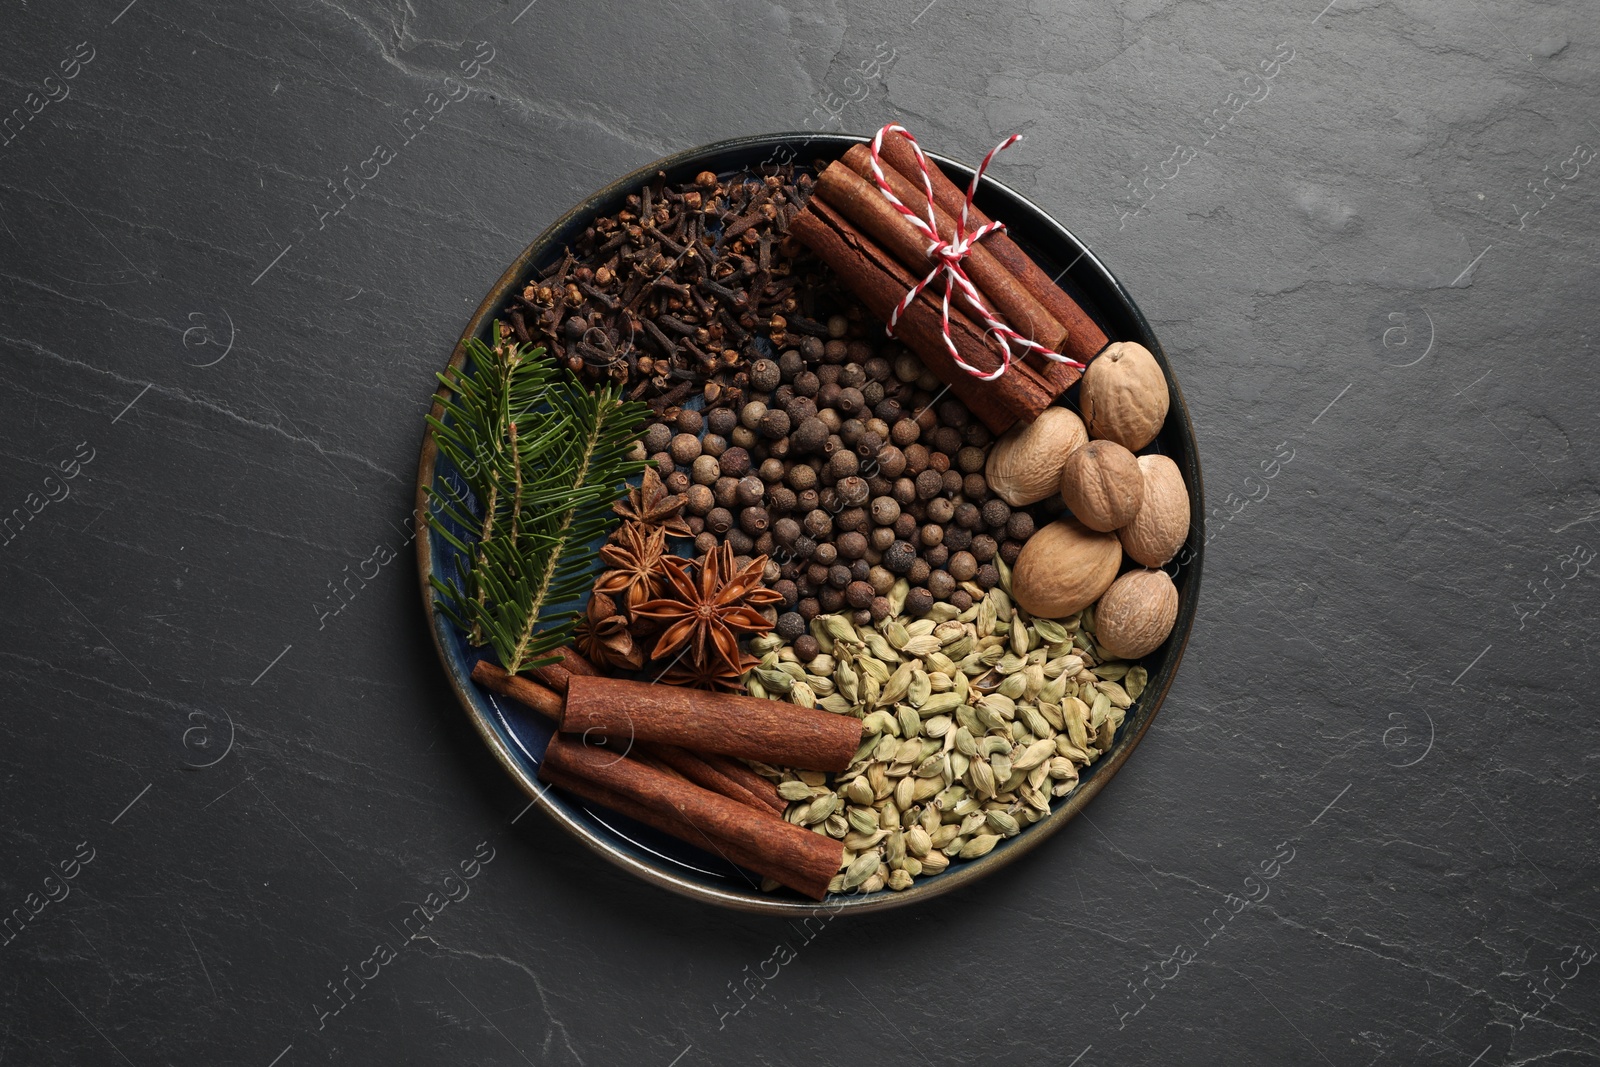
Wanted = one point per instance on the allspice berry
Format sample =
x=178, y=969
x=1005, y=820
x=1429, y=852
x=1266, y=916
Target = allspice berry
x=858, y=595
x=852, y=545
x=918, y=574
x=818, y=524
x=785, y=531
x=764, y=375
x=929, y=485
x=962, y=566
x=751, y=414
x=700, y=500
x=941, y=584
x=773, y=425
x=721, y=421
x=1020, y=526
x=790, y=625
x=749, y=491
x=919, y=602
x=719, y=520
x=996, y=513
x=885, y=510
x=657, y=437
x=806, y=647
x=899, y=557
x=705, y=470
x=881, y=538
x=734, y=463
x=880, y=609
x=753, y=521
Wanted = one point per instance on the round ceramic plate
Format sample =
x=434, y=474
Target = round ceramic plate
x=517, y=736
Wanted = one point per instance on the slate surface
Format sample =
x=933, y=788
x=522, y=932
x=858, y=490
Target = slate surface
x=1375, y=773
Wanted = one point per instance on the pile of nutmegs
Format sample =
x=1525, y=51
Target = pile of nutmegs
x=848, y=470
x=1122, y=504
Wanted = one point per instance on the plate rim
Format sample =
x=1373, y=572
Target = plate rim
x=538, y=792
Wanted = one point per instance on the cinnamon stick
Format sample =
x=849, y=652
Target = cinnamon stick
x=800, y=859
x=784, y=734
x=863, y=203
x=703, y=773
x=569, y=662
x=875, y=276
x=1084, y=338
x=546, y=702
x=726, y=776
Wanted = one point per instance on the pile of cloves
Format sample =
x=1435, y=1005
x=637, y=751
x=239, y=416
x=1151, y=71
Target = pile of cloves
x=677, y=294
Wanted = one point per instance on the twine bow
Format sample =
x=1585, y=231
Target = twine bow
x=947, y=257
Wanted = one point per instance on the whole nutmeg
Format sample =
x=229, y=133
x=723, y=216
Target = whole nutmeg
x=1158, y=529
x=1025, y=465
x=1124, y=395
x=1064, y=568
x=1102, y=484
x=1136, y=614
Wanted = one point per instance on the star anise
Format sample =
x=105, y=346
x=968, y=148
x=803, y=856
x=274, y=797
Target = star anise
x=635, y=559
x=651, y=505
x=706, y=614
x=603, y=635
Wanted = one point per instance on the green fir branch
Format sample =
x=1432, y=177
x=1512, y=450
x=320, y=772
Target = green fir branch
x=545, y=459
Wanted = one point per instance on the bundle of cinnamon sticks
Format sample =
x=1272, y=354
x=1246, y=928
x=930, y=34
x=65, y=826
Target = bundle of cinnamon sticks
x=671, y=758
x=881, y=255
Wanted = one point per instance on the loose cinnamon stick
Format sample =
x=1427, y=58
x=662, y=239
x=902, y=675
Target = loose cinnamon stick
x=546, y=702
x=874, y=276
x=726, y=776
x=863, y=203
x=703, y=773
x=1084, y=338
x=802, y=860
x=724, y=723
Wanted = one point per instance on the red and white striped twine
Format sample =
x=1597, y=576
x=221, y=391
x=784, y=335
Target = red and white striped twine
x=947, y=257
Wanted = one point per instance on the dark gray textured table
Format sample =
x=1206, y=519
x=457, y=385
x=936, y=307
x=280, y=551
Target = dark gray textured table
x=1361, y=831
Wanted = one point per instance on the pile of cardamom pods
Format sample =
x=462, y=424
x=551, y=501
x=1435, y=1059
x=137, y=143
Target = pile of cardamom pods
x=972, y=722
